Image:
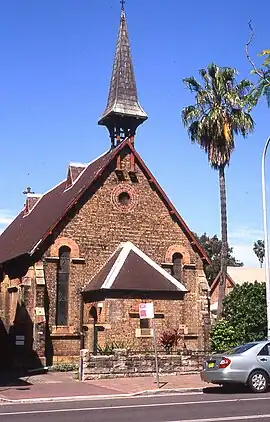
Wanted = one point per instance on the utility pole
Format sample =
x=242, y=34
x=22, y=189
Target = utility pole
x=266, y=242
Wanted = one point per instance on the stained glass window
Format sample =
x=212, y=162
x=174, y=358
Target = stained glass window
x=62, y=286
x=177, y=266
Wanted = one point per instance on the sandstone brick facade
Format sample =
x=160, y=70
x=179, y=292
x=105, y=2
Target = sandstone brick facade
x=96, y=226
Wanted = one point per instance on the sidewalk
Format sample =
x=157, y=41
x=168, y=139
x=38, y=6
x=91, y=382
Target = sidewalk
x=60, y=385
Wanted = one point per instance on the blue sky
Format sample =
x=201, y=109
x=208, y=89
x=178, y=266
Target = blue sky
x=56, y=60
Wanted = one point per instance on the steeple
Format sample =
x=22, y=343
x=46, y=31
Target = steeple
x=123, y=113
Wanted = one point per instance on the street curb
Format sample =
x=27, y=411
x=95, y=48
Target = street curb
x=169, y=391
x=145, y=393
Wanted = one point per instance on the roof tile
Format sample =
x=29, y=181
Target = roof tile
x=130, y=269
x=22, y=235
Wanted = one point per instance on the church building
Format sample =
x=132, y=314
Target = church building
x=79, y=259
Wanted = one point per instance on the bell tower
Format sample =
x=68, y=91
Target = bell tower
x=123, y=113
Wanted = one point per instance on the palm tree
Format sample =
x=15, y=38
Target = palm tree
x=220, y=112
x=259, y=251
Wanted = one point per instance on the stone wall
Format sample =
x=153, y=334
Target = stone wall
x=123, y=364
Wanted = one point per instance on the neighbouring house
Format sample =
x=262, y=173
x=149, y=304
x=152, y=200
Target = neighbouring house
x=78, y=259
x=235, y=276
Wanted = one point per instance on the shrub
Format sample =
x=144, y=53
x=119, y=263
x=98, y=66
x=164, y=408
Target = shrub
x=223, y=336
x=245, y=309
x=244, y=317
x=169, y=339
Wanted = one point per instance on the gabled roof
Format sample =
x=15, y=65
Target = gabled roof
x=216, y=281
x=26, y=233
x=131, y=269
x=74, y=170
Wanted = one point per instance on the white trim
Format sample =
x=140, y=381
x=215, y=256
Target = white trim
x=54, y=187
x=85, y=168
x=100, y=268
x=35, y=247
x=78, y=164
x=126, y=248
x=34, y=195
x=110, y=279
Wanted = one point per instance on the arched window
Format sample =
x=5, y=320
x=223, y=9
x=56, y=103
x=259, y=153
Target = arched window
x=93, y=313
x=62, y=286
x=177, y=266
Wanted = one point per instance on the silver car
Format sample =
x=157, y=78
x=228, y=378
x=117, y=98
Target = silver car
x=247, y=364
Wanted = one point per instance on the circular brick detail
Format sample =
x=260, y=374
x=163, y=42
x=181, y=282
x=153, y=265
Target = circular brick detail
x=65, y=241
x=177, y=249
x=124, y=198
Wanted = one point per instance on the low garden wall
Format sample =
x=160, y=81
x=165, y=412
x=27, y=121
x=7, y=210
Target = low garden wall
x=124, y=364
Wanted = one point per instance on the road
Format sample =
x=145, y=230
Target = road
x=199, y=407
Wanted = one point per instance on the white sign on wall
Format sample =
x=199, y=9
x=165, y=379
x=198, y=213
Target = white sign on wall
x=146, y=310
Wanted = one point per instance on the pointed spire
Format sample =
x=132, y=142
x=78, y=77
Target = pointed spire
x=123, y=113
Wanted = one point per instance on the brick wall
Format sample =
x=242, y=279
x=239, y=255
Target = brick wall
x=120, y=320
x=100, y=225
x=93, y=230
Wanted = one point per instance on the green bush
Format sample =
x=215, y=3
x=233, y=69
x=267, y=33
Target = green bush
x=244, y=317
x=223, y=336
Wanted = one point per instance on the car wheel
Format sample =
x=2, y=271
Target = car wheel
x=258, y=381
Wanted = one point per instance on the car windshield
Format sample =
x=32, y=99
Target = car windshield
x=241, y=349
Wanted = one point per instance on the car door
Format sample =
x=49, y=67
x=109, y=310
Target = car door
x=263, y=357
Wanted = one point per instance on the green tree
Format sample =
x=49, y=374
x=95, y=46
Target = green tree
x=244, y=312
x=220, y=112
x=212, y=246
x=259, y=251
x=262, y=88
x=263, y=84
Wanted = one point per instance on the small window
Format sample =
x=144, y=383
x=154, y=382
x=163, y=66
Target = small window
x=145, y=329
x=241, y=349
x=124, y=198
x=62, y=286
x=265, y=350
x=145, y=323
x=177, y=266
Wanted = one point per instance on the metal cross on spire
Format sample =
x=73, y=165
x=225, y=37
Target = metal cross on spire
x=122, y=4
x=28, y=190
